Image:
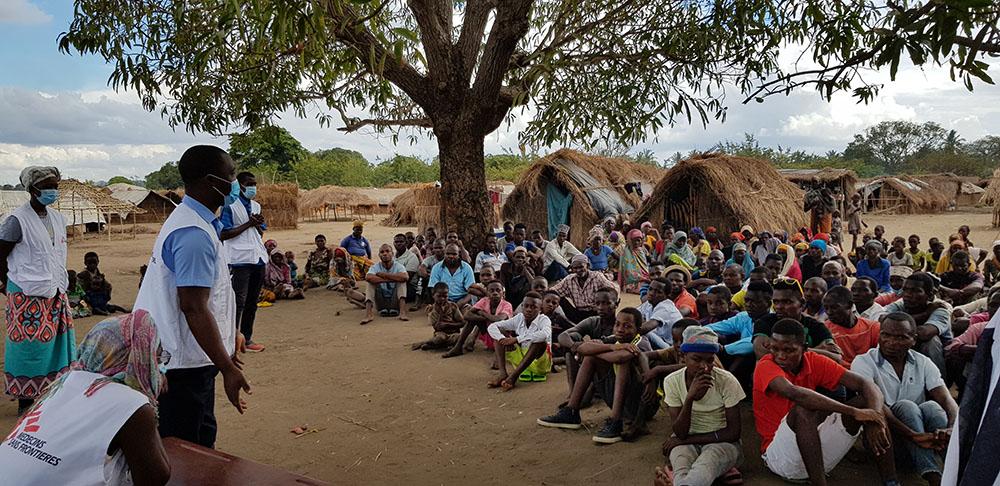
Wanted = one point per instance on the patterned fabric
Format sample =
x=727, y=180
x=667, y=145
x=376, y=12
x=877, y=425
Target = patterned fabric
x=40, y=343
x=361, y=266
x=633, y=269
x=318, y=265
x=583, y=295
x=125, y=349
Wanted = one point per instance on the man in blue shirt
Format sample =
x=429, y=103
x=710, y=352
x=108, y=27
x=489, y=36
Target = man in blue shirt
x=186, y=409
x=355, y=244
x=520, y=232
x=247, y=277
x=738, y=356
x=457, y=274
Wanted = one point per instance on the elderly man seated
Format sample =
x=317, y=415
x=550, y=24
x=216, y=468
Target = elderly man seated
x=578, y=291
x=557, y=254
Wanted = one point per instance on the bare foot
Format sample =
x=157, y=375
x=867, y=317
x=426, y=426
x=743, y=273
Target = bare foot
x=404, y=317
x=508, y=384
x=452, y=353
x=497, y=382
x=662, y=478
x=366, y=320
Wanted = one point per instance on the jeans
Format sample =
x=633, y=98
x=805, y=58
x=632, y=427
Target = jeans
x=656, y=341
x=701, y=465
x=247, y=281
x=555, y=272
x=926, y=417
x=933, y=349
x=187, y=408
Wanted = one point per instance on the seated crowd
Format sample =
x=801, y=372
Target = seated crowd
x=828, y=343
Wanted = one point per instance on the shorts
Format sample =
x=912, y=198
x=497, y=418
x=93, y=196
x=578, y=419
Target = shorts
x=782, y=456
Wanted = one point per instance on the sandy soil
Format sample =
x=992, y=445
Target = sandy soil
x=386, y=414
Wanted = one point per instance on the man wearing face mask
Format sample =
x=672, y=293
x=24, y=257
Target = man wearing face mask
x=33, y=276
x=188, y=293
x=242, y=227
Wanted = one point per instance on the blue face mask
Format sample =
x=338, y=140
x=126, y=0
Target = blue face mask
x=47, y=196
x=234, y=190
x=250, y=192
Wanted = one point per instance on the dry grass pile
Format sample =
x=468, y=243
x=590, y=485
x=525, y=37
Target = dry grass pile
x=279, y=203
x=419, y=206
x=727, y=192
x=950, y=185
x=992, y=195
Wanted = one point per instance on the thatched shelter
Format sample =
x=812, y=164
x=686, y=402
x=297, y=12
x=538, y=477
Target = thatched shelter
x=727, y=192
x=992, y=197
x=839, y=181
x=326, y=203
x=91, y=209
x=901, y=195
x=382, y=196
x=419, y=206
x=950, y=185
x=279, y=203
x=175, y=195
x=157, y=207
x=570, y=187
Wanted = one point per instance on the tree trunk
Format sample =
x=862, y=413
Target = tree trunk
x=465, y=203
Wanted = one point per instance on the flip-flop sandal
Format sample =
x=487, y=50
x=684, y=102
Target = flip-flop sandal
x=264, y=304
x=393, y=312
x=526, y=376
x=732, y=477
x=539, y=378
x=383, y=313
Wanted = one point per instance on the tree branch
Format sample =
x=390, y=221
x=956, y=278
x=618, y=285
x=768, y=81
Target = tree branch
x=477, y=13
x=354, y=124
x=509, y=27
x=434, y=20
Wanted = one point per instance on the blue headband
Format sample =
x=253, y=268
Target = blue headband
x=702, y=347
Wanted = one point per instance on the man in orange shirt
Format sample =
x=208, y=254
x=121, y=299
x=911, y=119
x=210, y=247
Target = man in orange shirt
x=853, y=334
x=803, y=433
x=679, y=277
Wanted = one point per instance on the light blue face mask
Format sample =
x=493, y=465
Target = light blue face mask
x=234, y=190
x=47, y=196
x=250, y=192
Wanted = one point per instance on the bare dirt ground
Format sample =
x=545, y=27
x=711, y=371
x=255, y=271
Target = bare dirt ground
x=386, y=414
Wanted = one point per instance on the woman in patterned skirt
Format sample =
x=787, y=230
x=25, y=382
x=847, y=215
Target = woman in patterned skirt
x=40, y=343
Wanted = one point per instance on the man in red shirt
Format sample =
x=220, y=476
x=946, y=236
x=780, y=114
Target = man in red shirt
x=853, y=334
x=803, y=433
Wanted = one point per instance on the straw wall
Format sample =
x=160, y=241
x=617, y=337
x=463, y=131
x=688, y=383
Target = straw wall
x=279, y=203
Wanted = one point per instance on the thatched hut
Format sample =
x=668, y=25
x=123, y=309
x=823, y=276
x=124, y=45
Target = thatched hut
x=331, y=202
x=950, y=185
x=89, y=209
x=901, y=195
x=157, y=207
x=838, y=181
x=570, y=187
x=727, y=192
x=992, y=197
x=279, y=203
x=419, y=206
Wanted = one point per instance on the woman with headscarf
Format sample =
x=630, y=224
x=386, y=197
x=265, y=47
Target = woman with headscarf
x=741, y=258
x=278, y=278
x=679, y=253
x=97, y=423
x=955, y=243
x=712, y=237
x=40, y=342
x=633, y=263
x=812, y=262
x=791, y=267
x=698, y=243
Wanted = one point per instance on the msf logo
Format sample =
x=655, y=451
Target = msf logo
x=30, y=422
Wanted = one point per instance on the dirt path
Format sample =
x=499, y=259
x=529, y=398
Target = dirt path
x=387, y=414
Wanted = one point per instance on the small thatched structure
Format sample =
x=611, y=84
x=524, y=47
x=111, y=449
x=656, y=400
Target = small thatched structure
x=570, y=187
x=419, y=206
x=327, y=203
x=157, y=206
x=839, y=181
x=279, y=204
x=175, y=195
x=901, y=195
x=992, y=197
x=727, y=192
x=950, y=185
x=85, y=206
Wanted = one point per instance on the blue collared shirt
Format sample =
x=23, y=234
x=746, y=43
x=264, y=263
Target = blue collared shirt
x=458, y=282
x=357, y=246
x=742, y=325
x=227, y=224
x=190, y=252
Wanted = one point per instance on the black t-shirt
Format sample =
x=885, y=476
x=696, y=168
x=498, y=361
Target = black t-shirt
x=816, y=332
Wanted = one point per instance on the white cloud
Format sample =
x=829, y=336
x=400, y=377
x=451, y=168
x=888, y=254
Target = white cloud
x=22, y=12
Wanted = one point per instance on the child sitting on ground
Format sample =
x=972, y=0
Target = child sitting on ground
x=615, y=366
x=76, y=295
x=278, y=279
x=718, y=304
x=99, y=296
x=525, y=341
x=702, y=399
x=485, y=312
x=86, y=276
x=445, y=318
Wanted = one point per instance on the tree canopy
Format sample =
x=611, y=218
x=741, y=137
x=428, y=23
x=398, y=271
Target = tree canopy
x=166, y=177
x=266, y=144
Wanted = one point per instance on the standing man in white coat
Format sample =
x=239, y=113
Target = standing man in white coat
x=242, y=228
x=188, y=293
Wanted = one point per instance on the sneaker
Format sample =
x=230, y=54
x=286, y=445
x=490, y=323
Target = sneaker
x=610, y=433
x=255, y=348
x=565, y=418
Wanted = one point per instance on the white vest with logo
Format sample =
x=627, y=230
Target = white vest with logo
x=248, y=246
x=36, y=264
x=65, y=439
x=158, y=296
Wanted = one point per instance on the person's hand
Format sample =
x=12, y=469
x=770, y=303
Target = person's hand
x=927, y=440
x=256, y=220
x=942, y=436
x=669, y=444
x=649, y=376
x=631, y=348
x=508, y=341
x=699, y=387
x=233, y=381
x=869, y=416
x=959, y=312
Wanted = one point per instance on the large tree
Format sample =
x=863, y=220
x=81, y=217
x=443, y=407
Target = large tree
x=587, y=70
x=267, y=144
x=891, y=144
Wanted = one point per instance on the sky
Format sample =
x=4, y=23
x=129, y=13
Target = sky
x=57, y=109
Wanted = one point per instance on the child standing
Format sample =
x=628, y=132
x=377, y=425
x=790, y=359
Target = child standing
x=836, y=229
x=854, y=222
x=702, y=399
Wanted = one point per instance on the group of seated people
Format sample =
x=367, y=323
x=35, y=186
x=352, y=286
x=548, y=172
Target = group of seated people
x=827, y=343
x=89, y=291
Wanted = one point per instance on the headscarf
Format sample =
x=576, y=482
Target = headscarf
x=270, y=245
x=34, y=174
x=645, y=225
x=678, y=235
x=562, y=229
x=597, y=230
x=797, y=238
x=822, y=245
x=125, y=349
x=696, y=231
x=340, y=251
x=710, y=229
x=634, y=234
x=874, y=244
x=736, y=236
x=802, y=245
x=274, y=273
x=823, y=236
x=682, y=254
